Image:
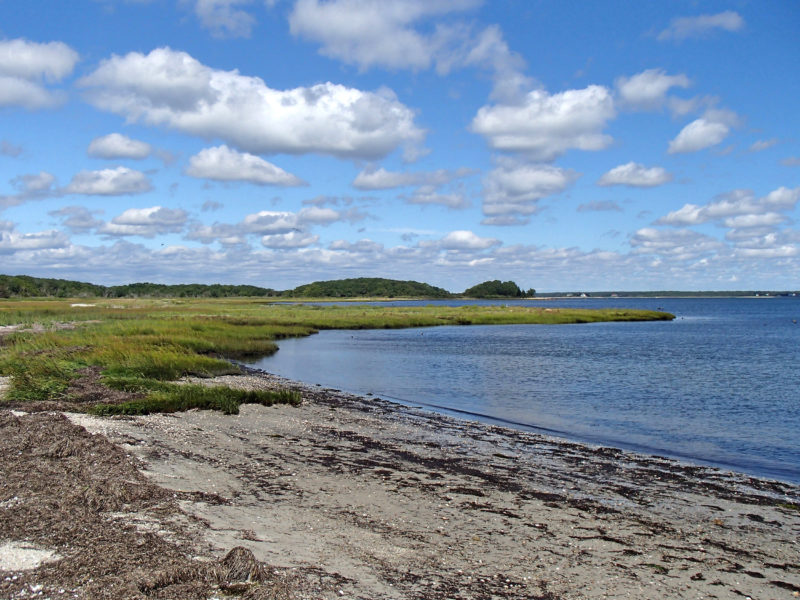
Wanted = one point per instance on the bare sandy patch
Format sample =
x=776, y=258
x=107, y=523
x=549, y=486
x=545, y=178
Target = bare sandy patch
x=390, y=502
x=22, y=556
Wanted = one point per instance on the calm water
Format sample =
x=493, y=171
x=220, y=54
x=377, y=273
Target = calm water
x=718, y=385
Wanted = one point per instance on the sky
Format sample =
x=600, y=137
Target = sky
x=565, y=145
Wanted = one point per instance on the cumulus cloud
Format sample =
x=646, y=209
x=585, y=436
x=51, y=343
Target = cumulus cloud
x=635, y=175
x=707, y=131
x=116, y=145
x=694, y=27
x=375, y=33
x=12, y=241
x=648, y=90
x=77, y=218
x=466, y=240
x=278, y=229
x=682, y=244
x=145, y=222
x=224, y=164
x=34, y=183
x=381, y=179
x=292, y=239
x=428, y=195
x=223, y=19
x=30, y=187
x=739, y=203
x=109, y=182
x=698, y=135
x=172, y=89
x=25, y=69
x=514, y=188
x=545, y=126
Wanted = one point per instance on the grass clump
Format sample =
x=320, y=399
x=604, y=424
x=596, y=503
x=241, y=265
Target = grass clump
x=176, y=398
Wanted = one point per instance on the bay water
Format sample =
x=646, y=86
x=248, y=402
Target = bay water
x=719, y=385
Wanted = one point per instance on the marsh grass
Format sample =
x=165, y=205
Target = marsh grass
x=175, y=398
x=140, y=346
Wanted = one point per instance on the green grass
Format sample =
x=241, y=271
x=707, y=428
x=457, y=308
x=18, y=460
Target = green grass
x=177, y=398
x=140, y=346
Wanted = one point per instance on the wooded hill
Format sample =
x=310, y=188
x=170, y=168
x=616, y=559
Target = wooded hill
x=368, y=287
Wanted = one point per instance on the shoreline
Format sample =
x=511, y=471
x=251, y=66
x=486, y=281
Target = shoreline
x=365, y=498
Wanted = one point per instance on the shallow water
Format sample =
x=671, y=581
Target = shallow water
x=718, y=385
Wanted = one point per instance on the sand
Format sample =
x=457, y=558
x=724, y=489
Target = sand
x=350, y=497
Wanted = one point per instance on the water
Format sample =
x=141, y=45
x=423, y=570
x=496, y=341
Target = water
x=718, y=385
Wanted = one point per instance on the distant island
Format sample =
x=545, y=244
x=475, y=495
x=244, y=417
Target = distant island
x=25, y=286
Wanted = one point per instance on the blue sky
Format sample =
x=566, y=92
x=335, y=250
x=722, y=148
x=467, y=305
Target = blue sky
x=565, y=145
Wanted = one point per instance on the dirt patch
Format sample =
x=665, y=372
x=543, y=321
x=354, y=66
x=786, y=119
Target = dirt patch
x=88, y=387
x=68, y=493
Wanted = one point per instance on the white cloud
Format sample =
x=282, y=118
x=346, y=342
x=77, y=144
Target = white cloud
x=363, y=246
x=466, y=240
x=514, y=188
x=77, y=218
x=428, y=195
x=791, y=161
x=145, y=222
x=172, y=89
x=223, y=19
x=12, y=241
x=30, y=187
x=318, y=215
x=33, y=184
x=648, y=90
x=381, y=179
x=735, y=204
x=635, y=175
x=33, y=61
x=109, y=182
x=701, y=25
x=28, y=94
x=754, y=220
x=545, y=126
x=116, y=145
x=375, y=33
x=269, y=222
x=698, y=135
x=224, y=164
x=274, y=226
x=292, y=239
x=681, y=244
x=760, y=145
x=26, y=66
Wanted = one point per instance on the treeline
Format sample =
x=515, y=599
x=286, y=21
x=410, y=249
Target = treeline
x=24, y=286
x=189, y=290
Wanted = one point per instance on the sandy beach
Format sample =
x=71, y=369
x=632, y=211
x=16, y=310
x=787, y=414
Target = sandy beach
x=352, y=497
